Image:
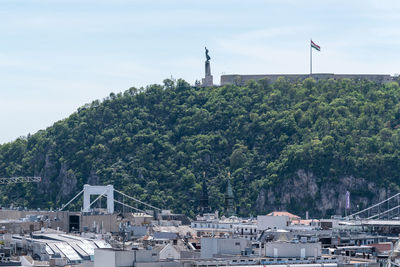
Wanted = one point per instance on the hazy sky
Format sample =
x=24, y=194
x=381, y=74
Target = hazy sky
x=58, y=55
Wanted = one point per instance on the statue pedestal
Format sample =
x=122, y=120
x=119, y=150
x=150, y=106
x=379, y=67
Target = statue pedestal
x=208, y=80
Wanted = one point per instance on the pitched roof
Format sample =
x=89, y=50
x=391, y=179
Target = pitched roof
x=284, y=213
x=382, y=247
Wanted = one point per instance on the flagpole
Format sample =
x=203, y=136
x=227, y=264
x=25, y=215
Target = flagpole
x=310, y=58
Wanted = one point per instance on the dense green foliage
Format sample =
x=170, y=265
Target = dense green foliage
x=154, y=143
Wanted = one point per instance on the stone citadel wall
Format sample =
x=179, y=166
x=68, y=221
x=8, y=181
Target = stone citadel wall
x=240, y=79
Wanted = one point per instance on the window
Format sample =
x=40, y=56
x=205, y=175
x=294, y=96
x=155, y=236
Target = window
x=153, y=254
x=237, y=244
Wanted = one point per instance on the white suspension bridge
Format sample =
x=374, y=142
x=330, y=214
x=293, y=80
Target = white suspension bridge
x=387, y=209
x=108, y=192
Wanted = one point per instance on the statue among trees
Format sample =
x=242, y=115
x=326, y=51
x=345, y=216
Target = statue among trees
x=208, y=79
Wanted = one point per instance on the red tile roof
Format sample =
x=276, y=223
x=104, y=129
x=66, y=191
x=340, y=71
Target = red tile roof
x=284, y=213
x=381, y=247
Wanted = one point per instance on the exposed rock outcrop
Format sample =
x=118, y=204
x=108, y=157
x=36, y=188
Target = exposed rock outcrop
x=68, y=182
x=57, y=177
x=93, y=178
x=304, y=191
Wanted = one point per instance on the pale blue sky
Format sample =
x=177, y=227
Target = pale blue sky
x=57, y=55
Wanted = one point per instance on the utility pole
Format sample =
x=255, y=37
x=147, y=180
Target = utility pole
x=311, y=59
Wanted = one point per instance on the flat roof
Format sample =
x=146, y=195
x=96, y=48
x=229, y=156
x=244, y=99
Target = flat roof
x=381, y=222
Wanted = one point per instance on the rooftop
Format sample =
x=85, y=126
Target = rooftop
x=284, y=213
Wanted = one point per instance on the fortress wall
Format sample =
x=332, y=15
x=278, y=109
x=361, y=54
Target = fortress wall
x=243, y=79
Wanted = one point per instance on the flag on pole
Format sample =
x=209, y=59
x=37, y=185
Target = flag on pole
x=315, y=46
x=347, y=200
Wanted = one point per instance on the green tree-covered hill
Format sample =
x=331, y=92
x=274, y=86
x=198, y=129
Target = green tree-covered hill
x=154, y=144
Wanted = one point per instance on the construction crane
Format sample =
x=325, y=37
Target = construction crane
x=20, y=179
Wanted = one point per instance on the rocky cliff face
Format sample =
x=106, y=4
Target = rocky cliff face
x=58, y=180
x=304, y=191
x=68, y=182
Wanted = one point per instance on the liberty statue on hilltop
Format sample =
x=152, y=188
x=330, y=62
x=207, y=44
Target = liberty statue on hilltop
x=208, y=79
x=207, y=56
